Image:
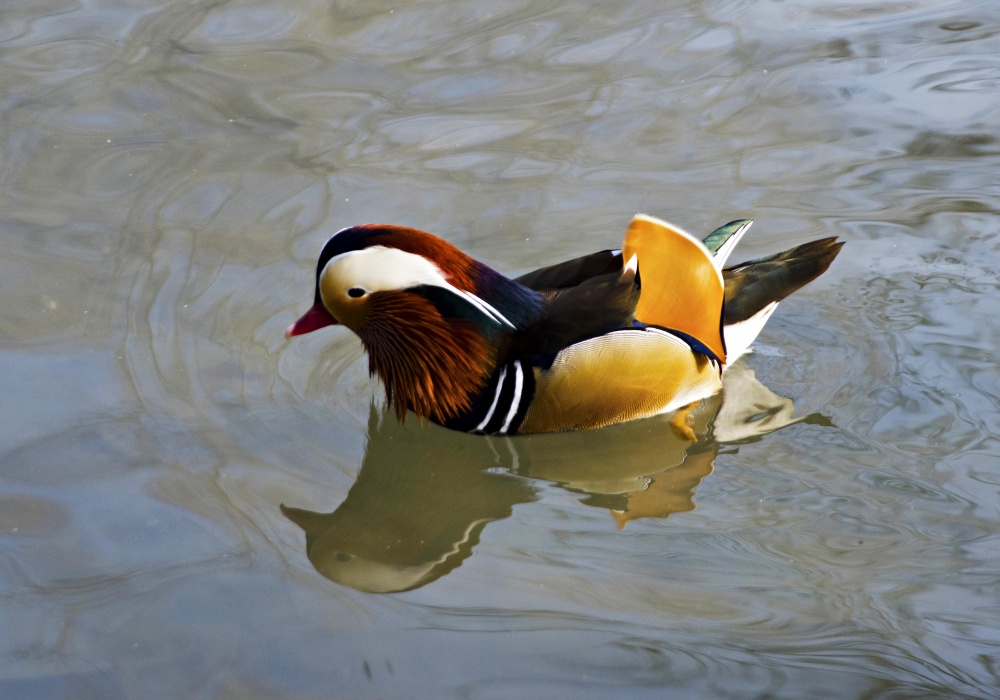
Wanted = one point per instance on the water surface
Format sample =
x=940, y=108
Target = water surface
x=169, y=173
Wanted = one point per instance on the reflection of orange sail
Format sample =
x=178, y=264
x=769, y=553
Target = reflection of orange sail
x=748, y=409
x=651, y=467
x=669, y=492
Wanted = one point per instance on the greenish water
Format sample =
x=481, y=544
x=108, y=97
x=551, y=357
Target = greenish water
x=168, y=173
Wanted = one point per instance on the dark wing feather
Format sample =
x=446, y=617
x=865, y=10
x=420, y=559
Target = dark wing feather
x=597, y=306
x=573, y=272
x=753, y=285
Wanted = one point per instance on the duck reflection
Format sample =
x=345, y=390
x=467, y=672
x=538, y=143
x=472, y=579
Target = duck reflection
x=421, y=499
x=424, y=494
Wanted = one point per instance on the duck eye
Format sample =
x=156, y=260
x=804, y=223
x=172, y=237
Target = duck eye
x=355, y=292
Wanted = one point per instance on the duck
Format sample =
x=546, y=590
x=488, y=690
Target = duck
x=618, y=335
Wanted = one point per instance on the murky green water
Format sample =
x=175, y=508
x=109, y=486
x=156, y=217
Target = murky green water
x=168, y=172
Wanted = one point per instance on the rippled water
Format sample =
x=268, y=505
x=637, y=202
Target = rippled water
x=190, y=506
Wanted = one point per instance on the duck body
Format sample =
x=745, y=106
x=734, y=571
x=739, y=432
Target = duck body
x=605, y=338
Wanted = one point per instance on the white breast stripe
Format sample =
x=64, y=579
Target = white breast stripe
x=496, y=397
x=516, y=401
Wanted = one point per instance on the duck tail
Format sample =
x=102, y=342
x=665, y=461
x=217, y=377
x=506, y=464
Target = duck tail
x=754, y=288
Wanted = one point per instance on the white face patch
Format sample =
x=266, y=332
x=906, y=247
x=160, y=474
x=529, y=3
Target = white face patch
x=383, y=269
x=379, y=269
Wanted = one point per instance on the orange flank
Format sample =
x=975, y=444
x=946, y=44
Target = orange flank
x=617, y=377
x=681, y=287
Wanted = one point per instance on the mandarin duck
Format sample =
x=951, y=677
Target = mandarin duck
x=605, y=338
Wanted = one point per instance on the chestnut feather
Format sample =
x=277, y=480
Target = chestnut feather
x=429, y=364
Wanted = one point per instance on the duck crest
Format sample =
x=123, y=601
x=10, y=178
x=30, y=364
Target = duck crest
x=432, y=365
x=456, y=265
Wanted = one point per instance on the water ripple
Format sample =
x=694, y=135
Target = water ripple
x=170, y=173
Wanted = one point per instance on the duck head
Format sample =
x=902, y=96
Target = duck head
x=432, y=319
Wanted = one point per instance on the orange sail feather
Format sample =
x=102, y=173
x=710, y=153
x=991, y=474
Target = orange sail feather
x=681, y=287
